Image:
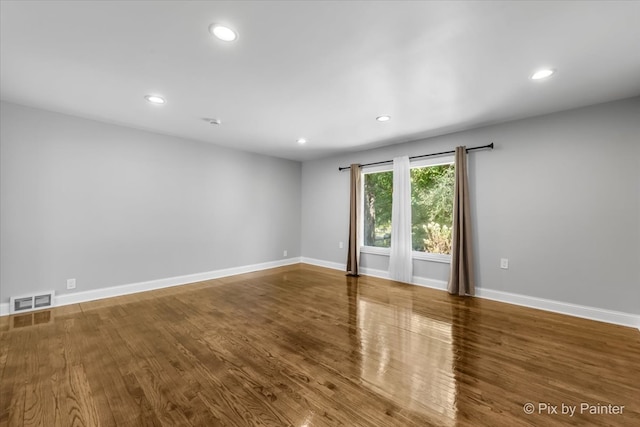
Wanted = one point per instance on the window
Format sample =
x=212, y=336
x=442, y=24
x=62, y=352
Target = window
x=432, y=182
x=432, y=208
x=377, y=209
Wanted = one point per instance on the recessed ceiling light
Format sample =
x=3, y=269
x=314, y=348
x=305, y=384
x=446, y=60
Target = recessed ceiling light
x=542, y=74
x=155, y=99
x=223, y=33
x=383, y=118
x=302, y=141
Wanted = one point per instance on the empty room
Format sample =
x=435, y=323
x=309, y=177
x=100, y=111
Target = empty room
x=319, y=213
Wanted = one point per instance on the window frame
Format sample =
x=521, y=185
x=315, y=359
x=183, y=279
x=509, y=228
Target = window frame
x=366, y=170
x=374, y=250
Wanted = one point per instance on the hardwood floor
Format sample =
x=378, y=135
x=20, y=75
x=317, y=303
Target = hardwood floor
x=305, y=346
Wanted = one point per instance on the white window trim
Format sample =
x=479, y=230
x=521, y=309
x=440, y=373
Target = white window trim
x=428, y=256
x=375, y=250
x=377, y=169
x=432, y=161
x=422, y=256
x=365, y=170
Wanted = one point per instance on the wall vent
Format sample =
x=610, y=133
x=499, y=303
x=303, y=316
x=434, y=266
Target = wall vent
x=26, y=303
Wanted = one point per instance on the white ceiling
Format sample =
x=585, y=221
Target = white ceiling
x=319, y=70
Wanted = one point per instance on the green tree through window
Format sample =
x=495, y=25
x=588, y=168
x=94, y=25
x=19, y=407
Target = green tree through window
x=431, y=208
x=377, y=209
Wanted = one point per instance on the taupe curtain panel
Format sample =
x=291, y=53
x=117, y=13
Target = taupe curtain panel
x=461, y=279
x=353, y=255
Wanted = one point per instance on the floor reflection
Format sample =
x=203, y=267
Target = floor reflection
x=31, y=319
x=406, y=357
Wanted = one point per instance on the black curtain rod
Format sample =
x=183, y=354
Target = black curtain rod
x=490, y=146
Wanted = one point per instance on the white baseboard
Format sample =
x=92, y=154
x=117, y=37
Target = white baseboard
x=323, y=263
x=586, y=312
x=583, y=311
x=441, y=285
x=382, y=274
x=416, y=280
x=132, y=288
x=592, y=313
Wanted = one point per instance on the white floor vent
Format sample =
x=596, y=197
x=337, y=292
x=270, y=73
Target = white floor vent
x=26, y=303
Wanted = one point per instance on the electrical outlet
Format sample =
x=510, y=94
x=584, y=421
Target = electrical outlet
x=285, y=253
x=71, y=283
x=340, y=245
x=504, y=263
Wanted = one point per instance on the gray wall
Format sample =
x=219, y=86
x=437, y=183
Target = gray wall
x=110, y=205
x=559, y=196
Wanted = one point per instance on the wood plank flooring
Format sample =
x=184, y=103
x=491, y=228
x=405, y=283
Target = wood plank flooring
x=305, y=346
